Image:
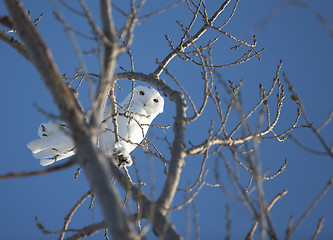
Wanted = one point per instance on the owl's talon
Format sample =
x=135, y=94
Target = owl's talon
x=121, y=156
x=122, y=161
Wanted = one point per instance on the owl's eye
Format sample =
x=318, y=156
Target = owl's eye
x=142, y=93
x=155, y=100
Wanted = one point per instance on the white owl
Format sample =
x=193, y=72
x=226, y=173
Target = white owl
x=136, y=113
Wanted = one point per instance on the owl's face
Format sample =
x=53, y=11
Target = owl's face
x=152, y=102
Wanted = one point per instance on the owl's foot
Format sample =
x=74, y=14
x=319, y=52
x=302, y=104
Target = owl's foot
x=121, y=160
x=121, y=157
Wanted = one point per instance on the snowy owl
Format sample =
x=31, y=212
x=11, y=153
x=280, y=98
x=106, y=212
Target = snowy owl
x=135, y=114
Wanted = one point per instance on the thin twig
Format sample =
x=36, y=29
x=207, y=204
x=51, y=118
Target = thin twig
x=159, y=11
x=319, y=227
x=69, y=216
x=48, y=170
x=306, y=213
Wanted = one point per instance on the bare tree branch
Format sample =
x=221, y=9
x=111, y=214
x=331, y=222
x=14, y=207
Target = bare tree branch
x=19, y=47
x=150, y=210
x=88, y=231
x=48, y=170
x=106, y=84
x=185, y=45
x=314, y=130
x=93, y=161
x=173, y=5
x=319, y=227
x=178, y=154
x=291, y=230
x=136, y=214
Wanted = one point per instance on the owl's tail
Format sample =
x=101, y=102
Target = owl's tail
x=55, y=143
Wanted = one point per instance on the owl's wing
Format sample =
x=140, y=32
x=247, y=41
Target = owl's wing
x=50, y=128
x=54, y=143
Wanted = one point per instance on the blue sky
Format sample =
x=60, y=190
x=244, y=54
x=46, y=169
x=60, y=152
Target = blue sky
x=293, y=35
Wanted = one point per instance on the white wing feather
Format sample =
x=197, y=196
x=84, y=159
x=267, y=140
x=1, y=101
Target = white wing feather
x=55, y=144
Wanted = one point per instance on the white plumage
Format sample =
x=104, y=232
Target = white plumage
x=136, y=113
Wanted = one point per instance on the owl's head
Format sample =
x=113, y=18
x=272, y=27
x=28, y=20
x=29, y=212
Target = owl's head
x=150, y=99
